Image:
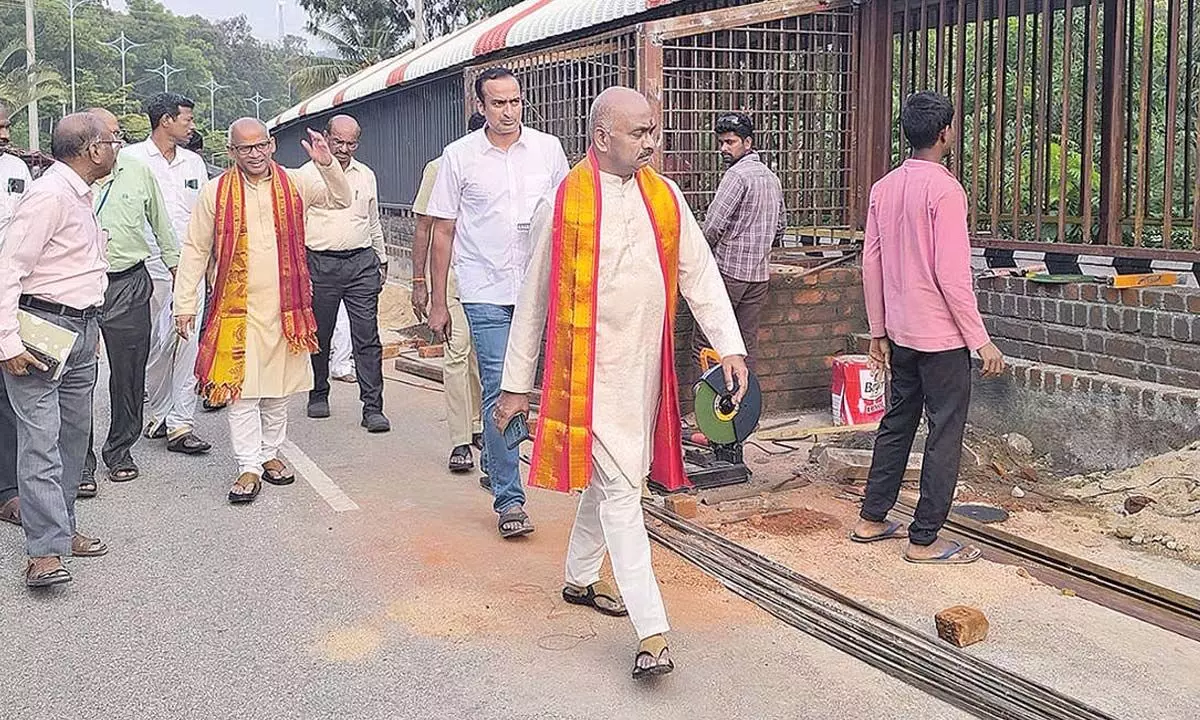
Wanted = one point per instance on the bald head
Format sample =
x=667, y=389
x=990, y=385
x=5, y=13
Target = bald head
x=623, y=130
x=342, y=132
x=247, y=131
x=84, y=142
x=75, y=134
x=615, y=102
x=252, y=147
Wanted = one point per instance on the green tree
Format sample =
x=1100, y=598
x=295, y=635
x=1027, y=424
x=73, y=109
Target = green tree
x=20, y=86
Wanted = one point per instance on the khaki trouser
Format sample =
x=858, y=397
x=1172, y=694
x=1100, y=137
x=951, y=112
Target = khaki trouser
x=460, y=374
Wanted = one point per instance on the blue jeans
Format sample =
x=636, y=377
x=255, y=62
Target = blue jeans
x=489, y=333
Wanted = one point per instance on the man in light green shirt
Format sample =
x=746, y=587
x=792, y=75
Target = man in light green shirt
x=127, y=201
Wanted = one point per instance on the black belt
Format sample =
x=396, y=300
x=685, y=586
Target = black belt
x=30, y=302
x=127, y=271
x=341, y=254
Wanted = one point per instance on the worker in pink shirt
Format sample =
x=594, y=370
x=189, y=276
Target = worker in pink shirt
x=924, y=325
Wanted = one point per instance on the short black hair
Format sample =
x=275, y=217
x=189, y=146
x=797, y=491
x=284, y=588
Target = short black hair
x=924, y=116
x=166, y=104
x=496, y=73
x=476, y=122
x=735, y=122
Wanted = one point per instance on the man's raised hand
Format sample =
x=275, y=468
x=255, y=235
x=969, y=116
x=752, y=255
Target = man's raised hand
x=317, y=148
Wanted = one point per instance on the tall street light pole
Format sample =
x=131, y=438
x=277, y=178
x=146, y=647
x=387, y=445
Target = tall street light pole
x=30, y=57
x=122, y=45
x=212, y=86
x=258, y=101
x=72, y=6
x=165, y=71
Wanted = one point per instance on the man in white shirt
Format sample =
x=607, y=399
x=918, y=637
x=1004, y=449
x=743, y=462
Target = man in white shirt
x=14, y=173
x=487, y=188
x=14, y=182
x=170, y=381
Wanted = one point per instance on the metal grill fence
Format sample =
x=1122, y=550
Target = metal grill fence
x=1030, y=80
x=794, y=78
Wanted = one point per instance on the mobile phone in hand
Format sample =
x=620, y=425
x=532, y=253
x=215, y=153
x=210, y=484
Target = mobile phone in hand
x=50, y=363
x=516, y=432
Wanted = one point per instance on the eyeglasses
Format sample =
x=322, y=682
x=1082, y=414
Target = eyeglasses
x=261, y=148
x=348, y=144
x=116, y=143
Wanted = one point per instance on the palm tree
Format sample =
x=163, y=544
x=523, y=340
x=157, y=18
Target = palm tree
x=358, y=44
x=21, y=86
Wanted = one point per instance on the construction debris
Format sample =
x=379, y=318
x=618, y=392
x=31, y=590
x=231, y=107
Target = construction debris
x=682, y=505
x=1017, y=492
x=846, y=464
x=799, y=433
x=1019, y=444
x=431, y=351
x=961, y=625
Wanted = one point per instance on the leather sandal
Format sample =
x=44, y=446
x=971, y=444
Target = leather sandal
x=46, y=571
x=654, y=647
x=600, y=596
x=276, y=473
x=245, y=480
x=10, y=512
x=84, y=546
x=188, y=444
x=461, y=460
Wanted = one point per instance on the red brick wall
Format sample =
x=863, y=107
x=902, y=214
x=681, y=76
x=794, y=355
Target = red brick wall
x=808, y=319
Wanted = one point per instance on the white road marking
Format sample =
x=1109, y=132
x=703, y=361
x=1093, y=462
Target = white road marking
x=317, y=479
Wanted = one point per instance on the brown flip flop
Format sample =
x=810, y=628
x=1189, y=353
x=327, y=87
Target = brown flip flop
x=276, y=473
x=50, y=574
x=10, y=512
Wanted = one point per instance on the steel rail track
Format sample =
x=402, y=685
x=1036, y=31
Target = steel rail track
x=969, y=683
x=1102, y=585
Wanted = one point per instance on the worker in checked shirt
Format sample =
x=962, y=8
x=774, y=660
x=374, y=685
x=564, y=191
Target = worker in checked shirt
x=744, y=220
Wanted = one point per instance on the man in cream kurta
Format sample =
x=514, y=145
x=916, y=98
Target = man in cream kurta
x=630, y=312
x=258, y=418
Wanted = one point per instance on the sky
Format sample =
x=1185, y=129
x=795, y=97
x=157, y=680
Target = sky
x=261, y=13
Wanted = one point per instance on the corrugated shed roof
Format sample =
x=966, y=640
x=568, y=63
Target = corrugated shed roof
x=523, y=24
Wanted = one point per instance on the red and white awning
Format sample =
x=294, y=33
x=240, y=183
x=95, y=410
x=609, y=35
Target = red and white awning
x=528, y=22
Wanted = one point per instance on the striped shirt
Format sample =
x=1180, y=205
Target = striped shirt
x=745, y=219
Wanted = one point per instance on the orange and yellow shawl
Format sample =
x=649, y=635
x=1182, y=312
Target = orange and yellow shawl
x=562, y=451
x=221, y=364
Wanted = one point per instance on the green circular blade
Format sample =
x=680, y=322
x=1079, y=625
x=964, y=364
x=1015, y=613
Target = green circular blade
x=719, y=432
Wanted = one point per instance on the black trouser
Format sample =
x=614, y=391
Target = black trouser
x=351, y=277
x=8, y=447
x=940, y=384
x=125, y=325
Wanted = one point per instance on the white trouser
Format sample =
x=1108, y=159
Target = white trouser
x=341, y=357
x=460, y=377
x=257, y=427
x=171, y=369
x=610, y=518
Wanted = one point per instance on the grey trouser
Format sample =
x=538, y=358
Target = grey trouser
x=53, y=419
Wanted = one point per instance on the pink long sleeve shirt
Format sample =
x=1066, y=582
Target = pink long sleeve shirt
x=917, y=261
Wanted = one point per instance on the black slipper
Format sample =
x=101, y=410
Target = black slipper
x=461, y=460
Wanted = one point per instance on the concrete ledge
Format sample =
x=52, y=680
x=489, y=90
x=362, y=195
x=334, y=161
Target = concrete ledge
x=1087, y=421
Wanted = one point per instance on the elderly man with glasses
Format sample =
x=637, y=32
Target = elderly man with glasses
x=53, y=272
x=260, y=328
x=348, y=265
x=127, y=201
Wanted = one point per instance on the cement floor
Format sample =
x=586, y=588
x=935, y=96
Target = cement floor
x=410, y=606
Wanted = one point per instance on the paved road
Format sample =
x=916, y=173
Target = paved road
x=408, y=607
x=376, y=587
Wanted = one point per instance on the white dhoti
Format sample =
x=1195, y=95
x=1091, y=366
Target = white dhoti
x=610, y=520
x=341, y=349
x=257, y=428
x=631, y=307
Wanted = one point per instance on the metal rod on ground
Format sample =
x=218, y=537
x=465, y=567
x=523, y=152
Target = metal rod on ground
x=972, y=684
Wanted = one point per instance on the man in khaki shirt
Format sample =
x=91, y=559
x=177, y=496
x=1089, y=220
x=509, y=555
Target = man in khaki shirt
x=347, y=262
x=461, y=372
